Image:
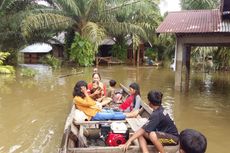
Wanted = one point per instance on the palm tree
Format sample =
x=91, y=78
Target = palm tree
x=11, y=15
x=94, y=19
x=89, y=18
x=144, y=14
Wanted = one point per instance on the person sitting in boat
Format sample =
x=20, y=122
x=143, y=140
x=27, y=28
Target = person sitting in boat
x=187, y=143
x=133, y=102
x=159, y=129
x=104, y=100
x=97, y=92
x=114, y=93
x=97, y=77
x=86, y=104
x=111, y=89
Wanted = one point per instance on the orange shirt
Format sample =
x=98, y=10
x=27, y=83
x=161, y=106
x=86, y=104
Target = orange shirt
x=87, y=105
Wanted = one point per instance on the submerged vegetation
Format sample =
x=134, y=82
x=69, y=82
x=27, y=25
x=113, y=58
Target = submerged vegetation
x=5, y=69
x=28, y=72
x=51, y=61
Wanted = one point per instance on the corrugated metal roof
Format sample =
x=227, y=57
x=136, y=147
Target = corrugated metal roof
x=37, y=48
x=194, y=21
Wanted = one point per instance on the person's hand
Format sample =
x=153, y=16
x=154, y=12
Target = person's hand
x=97, y=92
x=101, y=85
x=125, y=146
x=84, y=90
x=102, y=92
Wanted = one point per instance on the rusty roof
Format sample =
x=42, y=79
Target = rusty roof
x=194, y=21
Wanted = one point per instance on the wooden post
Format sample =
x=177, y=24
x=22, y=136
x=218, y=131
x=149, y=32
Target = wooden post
x=179, y=64
x=138, y=55
x=96, y=61
x=134, y=56
x=187, y=64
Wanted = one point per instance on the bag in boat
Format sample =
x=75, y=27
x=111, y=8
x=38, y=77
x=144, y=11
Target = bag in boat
x=79, y=116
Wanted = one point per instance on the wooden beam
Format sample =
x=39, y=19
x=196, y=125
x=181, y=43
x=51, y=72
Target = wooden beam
x=132, y=149
x=204, y=39
x=179, y=64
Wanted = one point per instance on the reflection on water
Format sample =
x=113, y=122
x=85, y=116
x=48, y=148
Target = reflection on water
x=33, y=111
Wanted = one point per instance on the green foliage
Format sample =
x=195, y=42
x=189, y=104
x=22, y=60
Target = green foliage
x=199, y=4
x=11, y=14
x=52, y=61
x=25, y=21
x=3, y=56
x=151, y=54
x=82, y=51
x=164, y=46
x=119, y=51
x=222, y=58
x=69, y=40
x=27, y=72
x=5, y=69
x=12, y=58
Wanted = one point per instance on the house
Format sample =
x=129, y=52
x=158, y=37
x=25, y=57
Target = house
x=33, y=53
x=195, y=28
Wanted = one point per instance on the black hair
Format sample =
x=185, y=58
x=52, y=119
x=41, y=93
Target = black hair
x=155, y=97
x=77, y=89
x=192, y=141
x=112, y=83
x=136, y=87
x=97, y=74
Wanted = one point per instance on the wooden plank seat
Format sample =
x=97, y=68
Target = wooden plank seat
x=97, y=122
x=136, y=123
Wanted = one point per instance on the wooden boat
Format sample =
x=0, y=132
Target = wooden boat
x=84, y=137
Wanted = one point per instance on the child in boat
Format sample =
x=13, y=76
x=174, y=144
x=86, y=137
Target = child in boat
x=159, y=129
x=133, y=102
x=192, y=141
x=111, y=89
x=86, y=104
x=113, y=93
x=97, y=92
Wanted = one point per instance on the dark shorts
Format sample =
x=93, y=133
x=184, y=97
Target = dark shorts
x=167, y=139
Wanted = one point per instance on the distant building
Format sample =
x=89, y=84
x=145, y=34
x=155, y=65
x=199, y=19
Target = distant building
x=33, y=53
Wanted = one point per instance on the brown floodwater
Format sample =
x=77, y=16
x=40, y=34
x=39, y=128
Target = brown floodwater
x=33, y=111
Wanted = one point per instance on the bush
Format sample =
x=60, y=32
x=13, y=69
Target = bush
x=52, y=61
x=119, y=51
x=5, y=69
x=27, y=72
x=82, y=51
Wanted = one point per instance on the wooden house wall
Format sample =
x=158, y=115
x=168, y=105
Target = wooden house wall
x=33, y=58
x=58, y=51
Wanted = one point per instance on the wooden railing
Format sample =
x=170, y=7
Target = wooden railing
x=109, y=60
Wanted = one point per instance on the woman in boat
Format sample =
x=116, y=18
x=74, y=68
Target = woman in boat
x=85, y=103
x=159, y=129
x=100, y=91
x=133, y=102
x=97, y=77
x=99, y=95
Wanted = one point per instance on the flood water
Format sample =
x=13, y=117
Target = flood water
x=33, y=111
